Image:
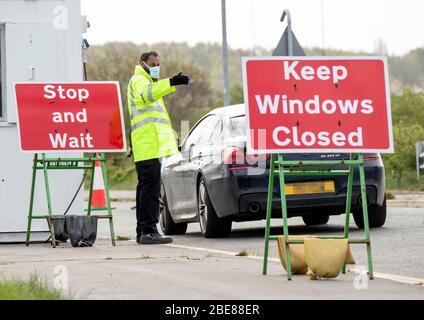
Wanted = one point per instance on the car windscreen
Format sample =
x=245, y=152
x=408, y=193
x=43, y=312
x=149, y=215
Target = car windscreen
x=238, y=126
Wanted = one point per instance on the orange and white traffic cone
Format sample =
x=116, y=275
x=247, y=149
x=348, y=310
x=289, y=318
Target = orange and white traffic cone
x=98, y=199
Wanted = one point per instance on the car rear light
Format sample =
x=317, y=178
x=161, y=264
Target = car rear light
x=372, y=157
x=369, y=157
x=233, y=155
x=237, y=156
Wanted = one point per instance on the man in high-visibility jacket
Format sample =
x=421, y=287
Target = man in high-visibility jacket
x=152, y=138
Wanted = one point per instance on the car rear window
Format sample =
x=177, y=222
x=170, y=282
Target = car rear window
x=238, y=125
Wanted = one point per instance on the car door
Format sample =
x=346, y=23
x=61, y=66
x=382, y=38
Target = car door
x=172, y=178
x=200, y=154
x=184, y=203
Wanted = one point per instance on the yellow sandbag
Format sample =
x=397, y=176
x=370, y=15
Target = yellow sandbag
x=349, y=257
x=297, y=254
x=326, y=257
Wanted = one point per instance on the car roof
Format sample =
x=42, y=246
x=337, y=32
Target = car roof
x=230, y=111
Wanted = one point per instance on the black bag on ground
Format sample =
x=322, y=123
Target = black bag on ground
x=82, y=230
x=60, y=233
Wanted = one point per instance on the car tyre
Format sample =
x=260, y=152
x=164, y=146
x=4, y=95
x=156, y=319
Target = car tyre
x=315, y=220
x=376, y=216
x=167, y=224
x=211, y=225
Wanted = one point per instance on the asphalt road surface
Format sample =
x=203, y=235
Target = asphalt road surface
x=398, y=247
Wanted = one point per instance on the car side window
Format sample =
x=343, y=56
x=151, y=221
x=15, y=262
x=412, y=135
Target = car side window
x=238, y=125
x=208, y=130
x=196, y=133
x=216, y=131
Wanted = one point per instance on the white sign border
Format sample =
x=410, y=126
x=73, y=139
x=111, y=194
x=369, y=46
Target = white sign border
x=116, y=83
x=250, y=150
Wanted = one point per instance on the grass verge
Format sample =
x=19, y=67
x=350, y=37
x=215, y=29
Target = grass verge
x=35, y=288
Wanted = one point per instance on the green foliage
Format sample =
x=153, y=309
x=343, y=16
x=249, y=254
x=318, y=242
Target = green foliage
x=406, y=181
x=122, y=238
x=408, y=70
x=408, y=128
x=408, y=108
x=390, y=196
x=144, y=257
x=32, y=289
x=236, y=96
x=405, y=136
x=242, y=253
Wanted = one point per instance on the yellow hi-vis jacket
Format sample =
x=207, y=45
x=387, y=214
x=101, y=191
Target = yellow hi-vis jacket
x=151, y=130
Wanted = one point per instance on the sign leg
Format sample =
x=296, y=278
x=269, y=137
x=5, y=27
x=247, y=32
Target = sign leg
x=284, y=210
x=49, y=203
x=31, y=200
x=268, y=212
x=365, y=215
x=109, y=208
x=348, y=202
x=90, y=192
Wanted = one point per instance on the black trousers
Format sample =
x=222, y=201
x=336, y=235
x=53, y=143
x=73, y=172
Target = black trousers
x=148, y=193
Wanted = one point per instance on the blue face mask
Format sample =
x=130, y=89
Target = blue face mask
x=154, y=72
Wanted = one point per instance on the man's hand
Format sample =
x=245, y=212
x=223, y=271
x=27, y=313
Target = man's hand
x=129, y=152
x=179, y=79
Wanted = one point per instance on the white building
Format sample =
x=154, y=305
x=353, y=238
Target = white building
x=40, y=40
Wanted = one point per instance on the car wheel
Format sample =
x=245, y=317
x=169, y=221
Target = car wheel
x=376, y=216
x=211, y=225
x=315, y=220
x=167, y=224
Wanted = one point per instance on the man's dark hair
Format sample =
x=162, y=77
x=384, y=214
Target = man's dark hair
x=146, y=55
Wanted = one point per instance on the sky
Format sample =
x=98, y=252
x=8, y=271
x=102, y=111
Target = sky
x=340, y=24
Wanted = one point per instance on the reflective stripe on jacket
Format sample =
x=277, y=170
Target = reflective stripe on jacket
x=151, y=130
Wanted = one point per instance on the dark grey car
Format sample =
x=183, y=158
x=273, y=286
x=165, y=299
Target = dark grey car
x=211, y=182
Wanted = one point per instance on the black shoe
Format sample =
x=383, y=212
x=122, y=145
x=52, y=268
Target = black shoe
x=137, y=239
x=153, y=238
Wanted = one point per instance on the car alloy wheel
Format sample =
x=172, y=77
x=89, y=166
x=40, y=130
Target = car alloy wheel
x=211, y=225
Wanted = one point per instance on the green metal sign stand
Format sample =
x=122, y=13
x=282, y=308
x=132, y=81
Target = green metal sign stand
x=84, y=163
x=281, y=168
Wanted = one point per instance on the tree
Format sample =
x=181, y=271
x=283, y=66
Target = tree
x=408, y=128
x=408, y=108
x=236, y=96
x=403, y=160
x=188, y=103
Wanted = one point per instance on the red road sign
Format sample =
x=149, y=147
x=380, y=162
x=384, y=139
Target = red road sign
x=83, y=116
x=317, y=104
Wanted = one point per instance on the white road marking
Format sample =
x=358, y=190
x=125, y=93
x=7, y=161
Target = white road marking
x=379, y=275
x=228, y=253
